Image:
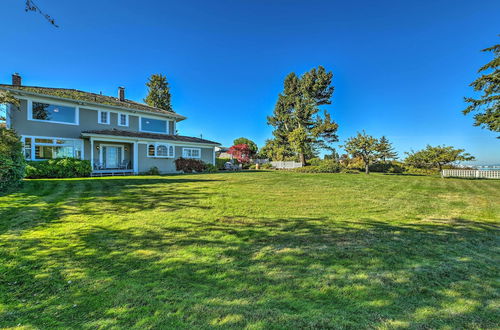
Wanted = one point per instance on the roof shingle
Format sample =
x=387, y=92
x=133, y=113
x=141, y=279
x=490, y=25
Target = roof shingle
x=153, y=136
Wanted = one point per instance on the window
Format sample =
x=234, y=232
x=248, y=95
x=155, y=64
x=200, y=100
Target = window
x=52, y=113
x=191, y=152
x=122, y=119
x=160, y=150
x=103, y=117
x=48, y=148
x=153, y=125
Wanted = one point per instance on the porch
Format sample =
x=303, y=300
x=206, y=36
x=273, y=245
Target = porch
x=110, y=157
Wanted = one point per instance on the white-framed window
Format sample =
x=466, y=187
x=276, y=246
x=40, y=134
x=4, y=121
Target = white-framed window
x=191, y=152
x=42, y=148
x=151, y=125
x=53, y=113
x=122, y=119
x=103, y=117
x=160, y=150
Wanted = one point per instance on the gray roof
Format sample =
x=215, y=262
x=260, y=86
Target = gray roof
x=152, y=136
x=78, y=95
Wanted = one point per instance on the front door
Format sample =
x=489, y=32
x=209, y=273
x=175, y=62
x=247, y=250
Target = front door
x=112, y=156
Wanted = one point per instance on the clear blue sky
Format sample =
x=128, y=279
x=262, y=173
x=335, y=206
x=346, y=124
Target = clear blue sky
x=401, y=68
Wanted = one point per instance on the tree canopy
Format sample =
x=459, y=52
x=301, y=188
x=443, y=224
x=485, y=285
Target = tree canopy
x=158, y=93
x=386, y=150
x=487, y=106
x=365, y=147
x=252, y=146
x=241, y=152
x=437, y=157
x=300, y=127
x=6, y=98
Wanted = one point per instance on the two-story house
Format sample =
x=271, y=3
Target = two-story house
x=117, y=135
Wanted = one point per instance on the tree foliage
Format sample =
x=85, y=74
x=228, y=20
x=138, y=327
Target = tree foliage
x=251, y=145
x=6, y=97
x=487, y=106
x=365, y=147
x=12, y=161
x=241, y=152
x=432, y=157
x=158, y=93
x=386, y=150
x=31, y=6
x=299, y=129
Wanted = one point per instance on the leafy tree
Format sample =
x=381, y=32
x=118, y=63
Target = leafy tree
x=487, y=106
x=274, y=150
x=241, y=152
x=6, y=98
x=437, y=157
x=159, y=92
x=251, y=145
x=386, y=150
x=31, y=6
x=333, y=155
x=365, y=147
x=12, y=161
x=298, y=126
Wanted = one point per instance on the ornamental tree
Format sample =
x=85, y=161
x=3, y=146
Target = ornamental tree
x=437, y=157
x=241, y=152
x=251, y=145
x=365, y=147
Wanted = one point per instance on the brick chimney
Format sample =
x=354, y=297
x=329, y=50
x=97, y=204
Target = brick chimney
x=16, y=79
x=121, y=93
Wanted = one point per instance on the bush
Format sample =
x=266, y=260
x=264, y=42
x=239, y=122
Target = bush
x=209, y=168
x=266, y=166
x=219, y=162
x=307, y=169
x=388, y=167
x=349, y=171
x=152, y=171
x=329, y=166
x=188, y=165
x=315, y=161
x=58, y=168
x=253, y=167
x=12, y=161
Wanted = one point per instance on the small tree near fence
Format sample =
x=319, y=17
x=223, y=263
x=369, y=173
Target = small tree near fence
x=241, y=152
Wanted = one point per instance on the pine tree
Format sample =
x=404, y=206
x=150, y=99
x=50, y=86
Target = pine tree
x=386, y=150
x=159, y=92
x=298, y=127
x=487, y=106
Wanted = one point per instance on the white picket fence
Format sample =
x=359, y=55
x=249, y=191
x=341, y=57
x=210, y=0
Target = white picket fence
x=472, y=174
x=286, y=165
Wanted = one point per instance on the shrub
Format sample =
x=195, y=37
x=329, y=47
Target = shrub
x=307, y=169
x=349, y=171
x=219, y=162
x=253, y=167
x=58, y=168
x=188, y=165
x=12, y=161
x=152, y=171
x=329, y=166
x=266, y=166
x=315, y=161
x=209, y=168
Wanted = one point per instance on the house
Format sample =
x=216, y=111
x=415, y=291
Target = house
x=222, y=152
x=115, y=134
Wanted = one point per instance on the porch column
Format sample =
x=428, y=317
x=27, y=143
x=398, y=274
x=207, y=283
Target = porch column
x=92, y=153
x=136, y=158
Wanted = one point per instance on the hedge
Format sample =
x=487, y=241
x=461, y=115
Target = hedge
x=12, y=161
x=58, y=168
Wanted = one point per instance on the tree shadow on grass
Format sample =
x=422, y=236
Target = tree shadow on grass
x=261, y=272
x=46, y=201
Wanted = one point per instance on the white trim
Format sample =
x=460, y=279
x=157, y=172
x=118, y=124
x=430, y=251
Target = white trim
x=156, y=145
x=136, y=158
x=126, y=119
x=167, y=125
x=30, y=113
x=99, y=117
x=148, y=140
x=101, y=145
x=87, y=104
x=191, y=149
x=34, y=144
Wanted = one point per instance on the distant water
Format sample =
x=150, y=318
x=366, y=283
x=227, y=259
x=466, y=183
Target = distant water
x=488, y=167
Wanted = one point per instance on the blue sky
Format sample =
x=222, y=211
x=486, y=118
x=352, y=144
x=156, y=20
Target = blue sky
x=401, y=68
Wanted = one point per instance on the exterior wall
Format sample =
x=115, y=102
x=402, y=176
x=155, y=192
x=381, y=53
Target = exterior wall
x=87, y=121
x=167, y=165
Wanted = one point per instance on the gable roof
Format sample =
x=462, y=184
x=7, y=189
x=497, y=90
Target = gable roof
x=98, y=99
x=152, y=136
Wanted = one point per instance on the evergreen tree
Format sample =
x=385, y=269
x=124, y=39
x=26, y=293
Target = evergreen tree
x=487, y=106
x=386, y=150
x=298, y=127
x=158, y=93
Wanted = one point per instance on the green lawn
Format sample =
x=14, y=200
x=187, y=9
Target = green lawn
x=255, y=250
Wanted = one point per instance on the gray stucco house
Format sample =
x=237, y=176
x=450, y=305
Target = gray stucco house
x=117, y=135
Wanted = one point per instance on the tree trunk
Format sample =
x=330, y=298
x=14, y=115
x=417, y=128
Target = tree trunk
x=440, y=170
x=367, y=168
x=302, y=158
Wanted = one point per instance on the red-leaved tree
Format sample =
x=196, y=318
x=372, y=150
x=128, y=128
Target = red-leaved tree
x=241, y=152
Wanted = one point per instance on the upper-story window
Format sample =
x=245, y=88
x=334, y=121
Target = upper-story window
x=122, y=119
x=103, y=117
x=154, y=125
x=53, y=113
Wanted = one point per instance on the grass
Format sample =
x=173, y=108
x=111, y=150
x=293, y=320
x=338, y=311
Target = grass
x=251, y=250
